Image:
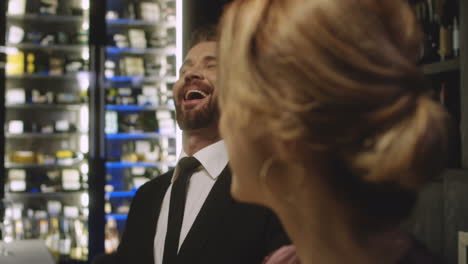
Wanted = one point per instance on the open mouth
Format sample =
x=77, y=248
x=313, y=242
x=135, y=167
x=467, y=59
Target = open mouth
x=195, y=95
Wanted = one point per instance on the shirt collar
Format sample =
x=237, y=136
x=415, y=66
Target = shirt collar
x=213, y=158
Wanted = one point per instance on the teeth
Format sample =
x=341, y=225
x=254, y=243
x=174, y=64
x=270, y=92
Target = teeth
x=195, y=91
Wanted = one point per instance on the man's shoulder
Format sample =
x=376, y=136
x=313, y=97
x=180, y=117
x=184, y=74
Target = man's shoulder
x=156, y=183
x=165, y=177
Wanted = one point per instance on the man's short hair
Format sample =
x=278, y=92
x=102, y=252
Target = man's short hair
x=205, y=33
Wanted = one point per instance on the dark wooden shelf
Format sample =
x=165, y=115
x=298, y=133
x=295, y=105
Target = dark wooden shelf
x=51, y=48
x=442, y=67
x=40, y=76
x=70, y=107
x=42, y=135
x=26, y=195
x=76, y=162
x=47, y=18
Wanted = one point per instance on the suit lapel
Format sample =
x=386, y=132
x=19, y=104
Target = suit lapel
x=156, y=203
x=208, y=220
x=158, y=198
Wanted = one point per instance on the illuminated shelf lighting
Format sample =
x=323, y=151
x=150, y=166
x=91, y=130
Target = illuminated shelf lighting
x=118, y=217
x=138, y=108
x=121, y=165
x=155, y=51
x=121, y=194
x=138, y=22
x=140, y=79
x=135, y=135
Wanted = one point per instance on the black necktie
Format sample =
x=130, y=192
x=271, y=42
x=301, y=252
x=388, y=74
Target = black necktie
x=186, y=167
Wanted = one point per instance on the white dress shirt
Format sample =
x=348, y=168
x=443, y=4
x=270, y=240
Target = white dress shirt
x=213, y=160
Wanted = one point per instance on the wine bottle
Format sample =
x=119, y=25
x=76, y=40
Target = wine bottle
x=84, y=238
x=65, y=241
x=435, y=10
x=444, y=46
x=443, y=93
x=43, y=229
x=30, y=68
x=28, y=224
x=76, y=251
x=456, y=38
x=8, y=225
x=53, y=238
x=446, y=32
x=19, y=229
x=111, y=236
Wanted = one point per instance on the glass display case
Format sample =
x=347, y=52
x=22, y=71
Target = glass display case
x=140, y=128
x=46, y=126
x=89, y=116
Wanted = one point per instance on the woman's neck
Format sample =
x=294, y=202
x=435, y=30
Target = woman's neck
x=321, y=229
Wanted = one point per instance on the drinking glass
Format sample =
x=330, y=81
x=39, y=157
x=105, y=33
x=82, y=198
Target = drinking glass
x=4, y=204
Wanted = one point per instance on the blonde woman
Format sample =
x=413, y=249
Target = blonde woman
x=327, y=121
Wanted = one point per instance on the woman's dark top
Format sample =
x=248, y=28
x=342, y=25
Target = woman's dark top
x=417, y=253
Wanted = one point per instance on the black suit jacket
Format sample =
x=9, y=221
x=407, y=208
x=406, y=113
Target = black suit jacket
x=224, y=232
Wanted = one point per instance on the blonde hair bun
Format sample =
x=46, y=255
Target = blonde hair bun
x=411, y=152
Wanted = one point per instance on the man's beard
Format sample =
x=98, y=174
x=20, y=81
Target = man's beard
x=197, y=118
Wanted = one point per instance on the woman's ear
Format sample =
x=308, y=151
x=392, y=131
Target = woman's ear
x=290, y=151
x=302, y=159
x=287, y=165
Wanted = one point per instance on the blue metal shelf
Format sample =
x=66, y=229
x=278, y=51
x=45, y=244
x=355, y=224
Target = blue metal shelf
x=126, y=79
x=118, y=217
x=134, y=22
x=116, y=51
x=137, y=22
x=122, y=165
x=140, y=79
x=132, y=108
x=120, y=194
x=118, y=136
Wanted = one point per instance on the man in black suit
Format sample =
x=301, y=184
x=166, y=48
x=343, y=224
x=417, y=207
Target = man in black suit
x=206, y=225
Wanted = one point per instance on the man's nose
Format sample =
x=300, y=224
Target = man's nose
x=193, y=74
